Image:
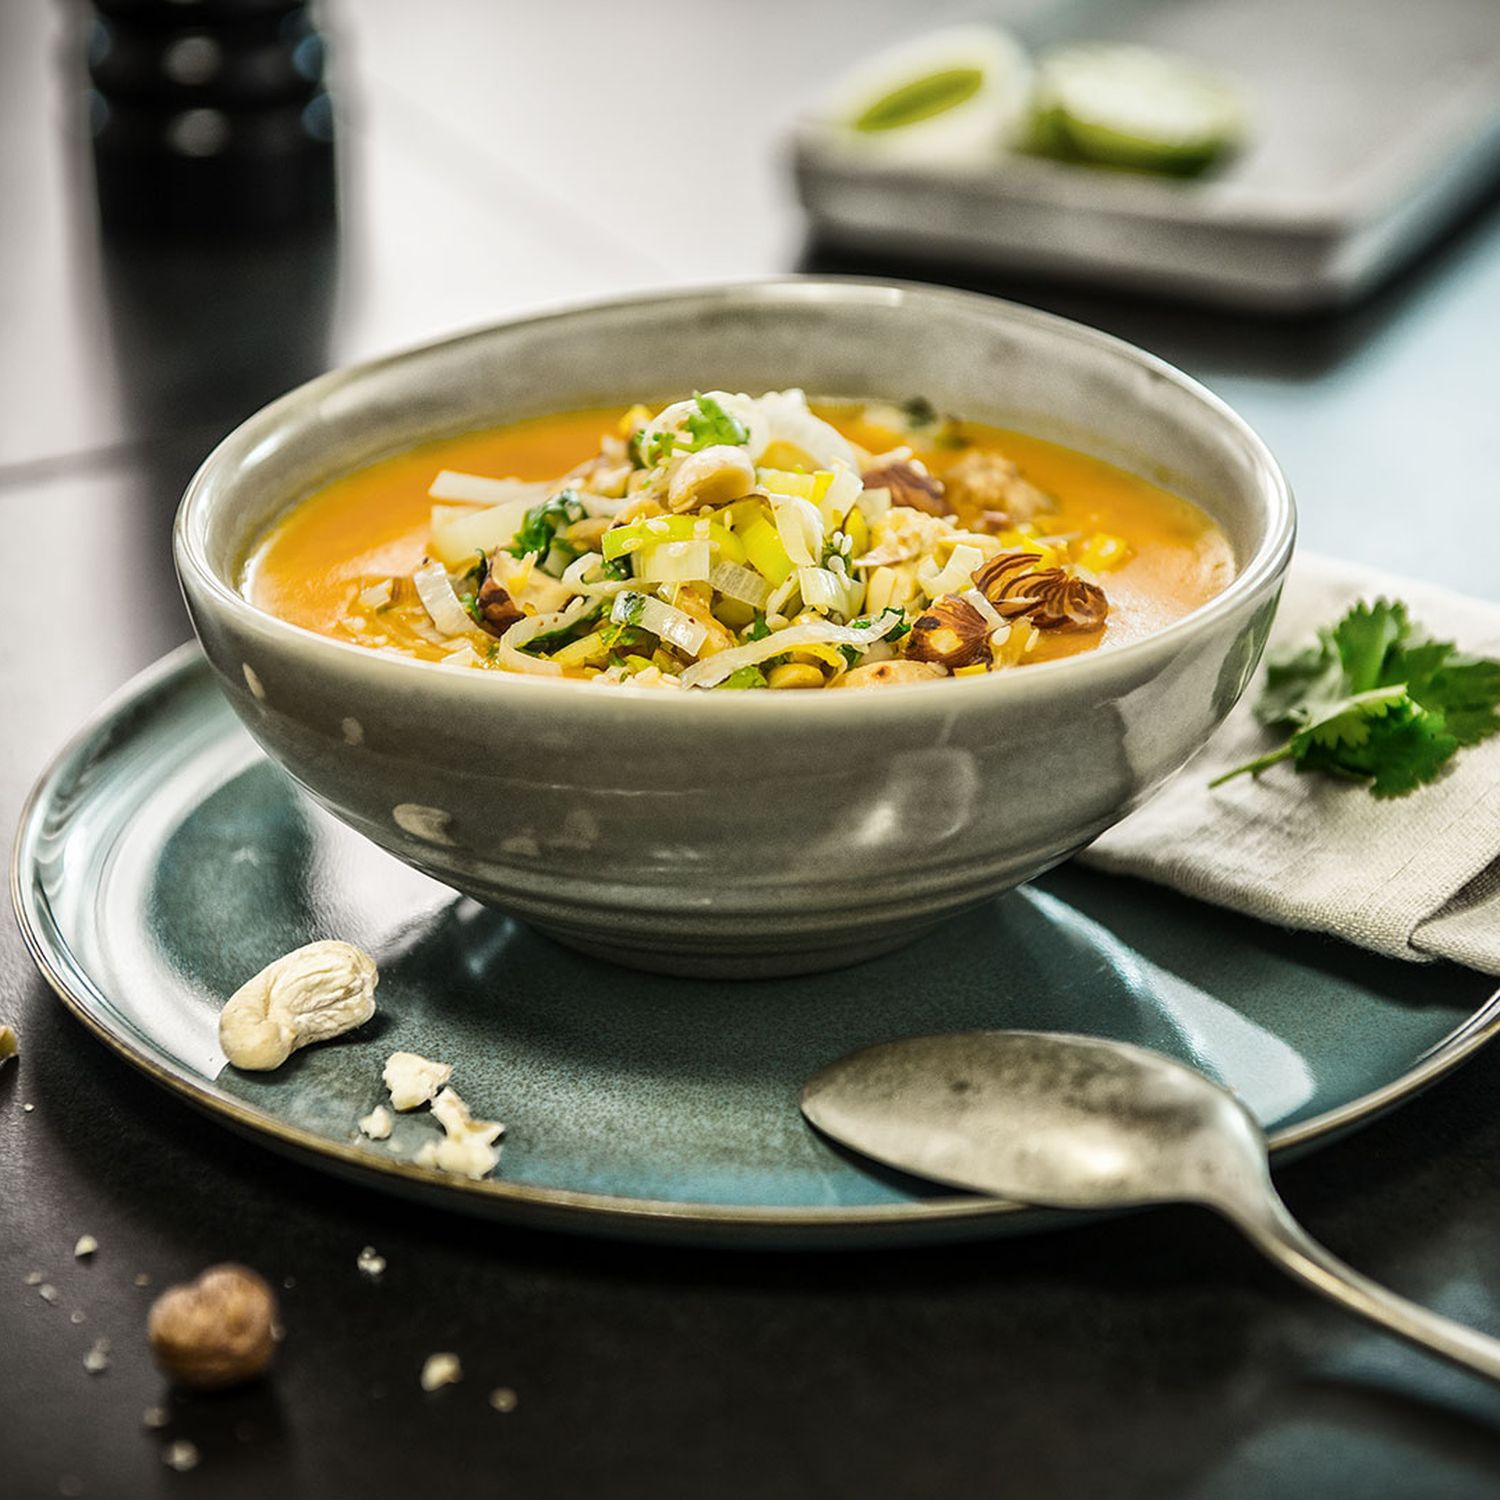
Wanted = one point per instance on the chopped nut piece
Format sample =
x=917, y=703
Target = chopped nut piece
x=468, y=1147
x=155, y=1417
x=712, y=476
x=498, y=610
x=502, y=1398
x=413, y=1080
x=34, y=1278
x=376, y=1124
x=180, y=1455
x=311, y=994
x=910, y=485
x=371, y=1263
x=96, y=1361
x=142, y=1279
x=47, y=1292
x=890, y=673
x=28, y=1108
x=952, y=633
x=216, y=1331
x=9, y=1043
x=85, y=1246
x=440, y=1370
x=982, y=481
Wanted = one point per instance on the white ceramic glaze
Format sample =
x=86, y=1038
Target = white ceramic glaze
x=738, y=833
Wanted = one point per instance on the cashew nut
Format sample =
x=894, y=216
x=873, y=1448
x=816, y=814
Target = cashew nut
x=712, y=476
x=309, y=995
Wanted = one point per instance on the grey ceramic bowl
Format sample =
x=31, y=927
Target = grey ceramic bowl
x=738, y=833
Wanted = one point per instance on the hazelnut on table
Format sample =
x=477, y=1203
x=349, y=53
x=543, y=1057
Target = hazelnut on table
x=216, y=1331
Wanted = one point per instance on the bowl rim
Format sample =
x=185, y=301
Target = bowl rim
x=1257, y=573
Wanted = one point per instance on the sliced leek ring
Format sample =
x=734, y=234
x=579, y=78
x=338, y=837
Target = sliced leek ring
x=1128, y=106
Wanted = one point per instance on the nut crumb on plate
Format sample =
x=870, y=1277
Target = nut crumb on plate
x=502, y=1398
x=47, y=1292
x=155, y=1416
x=96, y=1361
x=376, y=1124
x=413, y=1080
x=371, y=1262
x=439, y=1370
x=468, y=1146
x=85, y=1246
x=34, y=1278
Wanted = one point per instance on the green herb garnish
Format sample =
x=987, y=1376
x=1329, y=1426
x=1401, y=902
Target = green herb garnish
x=745, y=677
x=1377, y=701
x=711, y=425
x=757, y=629
x=538, y=532
x=647, y=449
x=468, y=588
x=920, y=412
x=921, y=99
x=551, y=640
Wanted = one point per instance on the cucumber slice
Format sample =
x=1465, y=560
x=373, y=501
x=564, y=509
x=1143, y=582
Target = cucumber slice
x=921, y=99
x=1125, y=106
x=951, y=98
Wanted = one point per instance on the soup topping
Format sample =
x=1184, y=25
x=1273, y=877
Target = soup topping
x=738, y=542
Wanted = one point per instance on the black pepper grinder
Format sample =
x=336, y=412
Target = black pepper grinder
x=209, y=117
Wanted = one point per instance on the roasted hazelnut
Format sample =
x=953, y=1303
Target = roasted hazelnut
x=1005, y=580
x=216, y=1331
x=952, y=633
x=1049, y=597
x=909, y=486
x=1065, y=603
x=984, y=480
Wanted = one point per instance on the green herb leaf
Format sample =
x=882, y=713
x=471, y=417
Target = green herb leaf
x=711, y=425
x=539, y=530
x=757, y=629
x=745, y=677
x=1376, y=701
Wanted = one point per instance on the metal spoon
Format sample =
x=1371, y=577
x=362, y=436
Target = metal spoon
x=1080, y=1122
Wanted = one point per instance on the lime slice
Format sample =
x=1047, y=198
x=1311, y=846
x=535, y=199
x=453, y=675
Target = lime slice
x=1126, y=106
x=951, y=98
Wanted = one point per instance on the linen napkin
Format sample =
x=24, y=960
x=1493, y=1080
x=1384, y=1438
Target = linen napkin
x=1414, y=877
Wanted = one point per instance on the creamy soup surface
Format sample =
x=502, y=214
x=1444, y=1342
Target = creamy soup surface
x=728, y=541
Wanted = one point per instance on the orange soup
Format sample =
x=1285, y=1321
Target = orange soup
x=729, y=541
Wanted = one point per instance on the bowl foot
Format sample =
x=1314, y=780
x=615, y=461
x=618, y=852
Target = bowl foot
x=689, y=964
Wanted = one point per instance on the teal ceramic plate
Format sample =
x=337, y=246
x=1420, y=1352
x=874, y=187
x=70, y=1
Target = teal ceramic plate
x=163, y=859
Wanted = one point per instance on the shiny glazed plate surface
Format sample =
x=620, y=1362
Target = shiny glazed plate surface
x=163, y=859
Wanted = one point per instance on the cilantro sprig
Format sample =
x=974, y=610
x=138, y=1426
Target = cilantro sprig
x=1378, y=701
x=538, y=533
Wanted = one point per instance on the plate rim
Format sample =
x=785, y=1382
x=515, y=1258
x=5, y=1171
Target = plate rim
x=564, y=1207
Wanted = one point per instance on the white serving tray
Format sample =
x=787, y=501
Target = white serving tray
x=1374, y=123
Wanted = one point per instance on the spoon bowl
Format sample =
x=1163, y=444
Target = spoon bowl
x=1080, y=1122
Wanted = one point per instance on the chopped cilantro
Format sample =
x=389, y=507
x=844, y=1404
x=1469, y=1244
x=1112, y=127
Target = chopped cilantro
x=1375, y=700
x=647, y=449
x=468, y=588
x=920, y=412
x=617, y=568
x=745, y=677
x=757, y=629
x=711, y=425
x=851, y=654
x=550, y=640
x=539, y=531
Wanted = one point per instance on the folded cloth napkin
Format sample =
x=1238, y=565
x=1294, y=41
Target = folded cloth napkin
x=1414, y=877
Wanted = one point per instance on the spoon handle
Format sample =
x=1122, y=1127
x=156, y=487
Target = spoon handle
x=1273, y=1229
